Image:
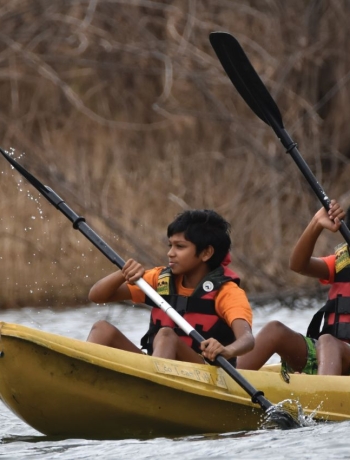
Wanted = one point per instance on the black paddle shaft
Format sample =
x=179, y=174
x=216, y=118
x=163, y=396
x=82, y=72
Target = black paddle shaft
x=248, y=83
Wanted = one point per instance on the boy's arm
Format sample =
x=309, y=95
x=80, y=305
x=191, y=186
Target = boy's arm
x=301, y=260
x=244, y=338
x=114, y=287
x=111, y=288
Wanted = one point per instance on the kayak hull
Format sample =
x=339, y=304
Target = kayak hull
x=69, y=388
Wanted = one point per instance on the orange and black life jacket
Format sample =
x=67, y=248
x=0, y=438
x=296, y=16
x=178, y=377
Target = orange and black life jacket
x=336, y=311
x=198, y=309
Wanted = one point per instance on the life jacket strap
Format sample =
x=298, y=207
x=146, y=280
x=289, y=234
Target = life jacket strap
x=340, y=306
x=339, y=330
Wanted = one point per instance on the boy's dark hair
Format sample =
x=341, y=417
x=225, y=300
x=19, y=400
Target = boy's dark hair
x=204, y=228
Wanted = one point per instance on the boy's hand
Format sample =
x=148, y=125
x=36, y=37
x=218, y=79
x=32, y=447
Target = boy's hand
x=132, y=271
x=211, y=348
x=330, y=220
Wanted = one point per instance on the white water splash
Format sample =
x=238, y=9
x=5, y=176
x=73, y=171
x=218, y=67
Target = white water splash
x=287, y=414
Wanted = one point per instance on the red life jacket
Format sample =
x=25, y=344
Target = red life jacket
x=198, y=309
x=336, y=311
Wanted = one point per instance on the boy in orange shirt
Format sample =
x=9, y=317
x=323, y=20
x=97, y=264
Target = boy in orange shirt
x=197, y=283
x=317, y=352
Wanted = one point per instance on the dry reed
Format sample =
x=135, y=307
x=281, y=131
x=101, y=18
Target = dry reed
x=122, y=107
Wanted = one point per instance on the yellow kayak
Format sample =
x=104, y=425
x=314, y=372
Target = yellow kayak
x=70, y=388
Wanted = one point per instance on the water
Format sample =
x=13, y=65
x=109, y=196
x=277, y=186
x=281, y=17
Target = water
x=19, y=441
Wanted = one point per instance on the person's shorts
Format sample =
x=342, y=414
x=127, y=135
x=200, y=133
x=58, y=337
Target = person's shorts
x=311, y=362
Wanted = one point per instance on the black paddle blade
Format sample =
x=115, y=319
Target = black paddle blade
x=33, y=180
x=279, y=418
x=45, y=191
x=276, y=416
x=244, y=77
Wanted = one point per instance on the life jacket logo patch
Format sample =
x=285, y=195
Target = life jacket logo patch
x=208, y=286
x=163, y=286
x=342, y=257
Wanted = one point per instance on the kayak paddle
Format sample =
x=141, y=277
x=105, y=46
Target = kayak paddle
x=248, y=83
x=282, y=419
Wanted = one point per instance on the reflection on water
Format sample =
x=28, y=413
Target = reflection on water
x=32, y=439
x=216, y=436
x=194, y=438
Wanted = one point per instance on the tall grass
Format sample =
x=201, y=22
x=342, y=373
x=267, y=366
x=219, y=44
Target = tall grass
x=124, y=110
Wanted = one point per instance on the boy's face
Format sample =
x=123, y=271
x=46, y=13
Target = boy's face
x=182, y=255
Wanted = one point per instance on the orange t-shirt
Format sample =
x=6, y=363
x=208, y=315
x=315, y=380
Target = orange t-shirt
x=230, y=302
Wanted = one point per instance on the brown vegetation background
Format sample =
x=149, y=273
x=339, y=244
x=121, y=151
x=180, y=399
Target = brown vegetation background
x=122, y=108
